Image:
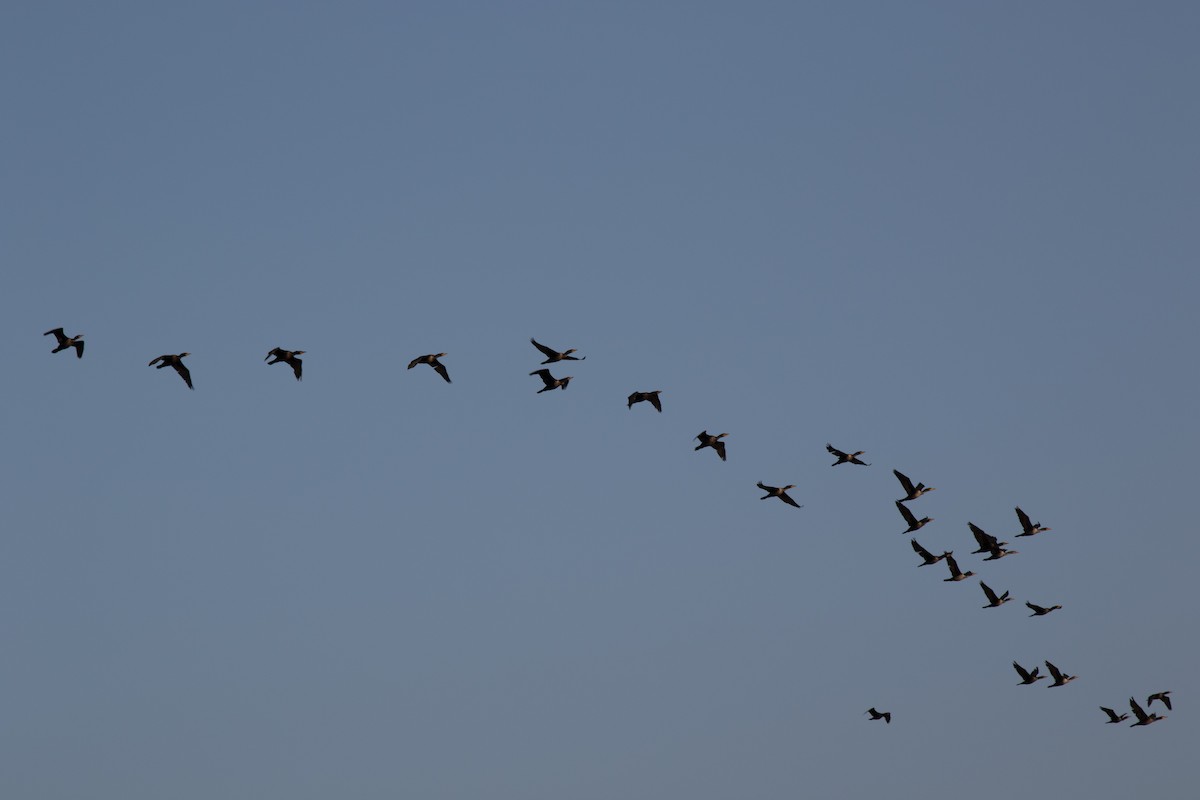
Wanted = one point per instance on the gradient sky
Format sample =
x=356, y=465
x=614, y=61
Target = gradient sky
x=959, y=236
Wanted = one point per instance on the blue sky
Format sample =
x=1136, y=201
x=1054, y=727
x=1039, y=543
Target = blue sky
x=959, y=236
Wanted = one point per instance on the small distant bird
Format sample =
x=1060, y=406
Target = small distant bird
x=638, y=397
x=845, y=458
x=929, y=557
x=886, y=716
x=1163, y=696
x=911, y=492
x=1038, y=611
x=1000, y=552
x=1142, y=717
x=780, y=492
x=993, y=600
x=1029, y=528
x=1027, y=677
x=65, y=341
x=914, y=524
x=289, y=357
x=1112, y=716
x=551, y=381
x=714, y=442
x=554, y=355
x=432, y=360
x=955, y=573
x=987, y=542
x=1060, y=677
x=176, y=363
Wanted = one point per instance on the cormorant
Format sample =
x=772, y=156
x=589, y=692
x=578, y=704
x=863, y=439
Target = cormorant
x=432, y=360
x=886, y=716
x=911, y=492
x=1060, y=677
x=1028, y=528
x=914, y=524
x=554, y=355
x=176, y=363
x=550, y=381
x=1027, y=677
x=780, y=492
x=1038, y=611
x=929, y=557
x=712, y=441
x=65, y=341
x=638, y=397
x=845, y=458
x=993, y=600
x=289, y=357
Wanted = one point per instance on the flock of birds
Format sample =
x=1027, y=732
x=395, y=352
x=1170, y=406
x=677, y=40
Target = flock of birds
x=988, y=544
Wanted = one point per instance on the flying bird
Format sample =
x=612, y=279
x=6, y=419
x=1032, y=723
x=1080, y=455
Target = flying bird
x=911, y=492
x=65, y=341
x=929, y=557
x=638, y=397
x=993, y=600
x=712, y=441
x=886, y=716
x=550, y=381
x=176, y=363
x=987, y=542
x=554, y=355
x=1038, y=611
x=914, y=524
x=845, y=458
x=1027, y=677
x=1112, y=716
x=289, y=357
x=780, y=492
x=1000, y=552
x=1060, y=677
x=432, y=360
x=1163, y=696
x=1029, y=528
x=1142, y=717
x=955, y=573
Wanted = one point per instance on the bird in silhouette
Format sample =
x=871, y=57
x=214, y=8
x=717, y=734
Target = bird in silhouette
x=1112, y=716
x=1060, y=677
x=638, y=397
x=1038, y=611
x=1029, y=528
x=911, y=492
x=289, y=357
x=914, y=524
x=554, y=355
x=780, y=492
x=1027, y=677
x=987, y=542
x=1162, y=696
x=994, y=601
x=550, y=381
x=707, y=440
x=845, y=458
x=65, y=341
x=432, y=360
x=1142, y=717
x=929, y=558
x=886, y=716
x=1000, y=552
x=955, y=573
x=176, y=363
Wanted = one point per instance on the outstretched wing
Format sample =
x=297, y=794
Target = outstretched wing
x=441, y=370
x=904, y=481
x=1026, y=525
x=991, y=596
x=1137, y=710
x=719, y=446
x=921, y=551
x=785, y=498
x=1024, y=673
x=416, y=361
x=909, y=517
x=183, y=373
x=546, y=350
x=79, y=347
x=833, y=451
x=1054, y=671
x=654, y=401
x=985, y=539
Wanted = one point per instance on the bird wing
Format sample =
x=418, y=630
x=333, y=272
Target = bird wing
x=276, y=352
x=953, y=565
x=654, y=401
x=921, y=551
x=719, y=446
x=784, y=497
x=415, y=361
x=79, y=348
x=833, y=451
x=1034, y=608
x=634, y=398
x=155, y=361
x=991, y=596
x=58, y=334
x=441, y=369
x=887, y=717
x=1054, y=671
x=904, y=481
x=985, y=539
x=1137, y=710
x=909, y=517
x=545, y=375
x=1112, y=715
x=550, y=353
x=297, y=367
x=764, y=487
x=1026, y=525
x=183, y=373
x=1024, y=673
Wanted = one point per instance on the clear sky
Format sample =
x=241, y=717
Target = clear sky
x=959, y=236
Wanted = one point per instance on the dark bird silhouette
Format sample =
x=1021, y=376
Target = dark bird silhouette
x=1060, y=677
x=780, y=492
x=712, y=441
x=1038, y=611
x=289, y=357
x=1029, y=528
x=886, y=716
x=911, y=492
x=1163, y=696
x=1027, y=677
x=993, y=600
x=1142, y=717
x=845, y=458
x=65, y=341
x=550, y=381
x=176, y=363
x=955, y=573
x=987, y=542
x=554, y=355
x=929, y=557
x=432, y=360
x=1000, y=552
x=914, y=524
x=1112, y=716
x=638, y=397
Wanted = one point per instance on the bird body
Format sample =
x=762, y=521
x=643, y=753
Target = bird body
x=65, y=341
x=553, y=355
x=707, y=440
x=550, y=381
x=845, y=458
x=432, y=360
x=176, y=363
x=289, y=357
x=911, y=491
x=652, y=397
x=780, y=492
x=886, y=716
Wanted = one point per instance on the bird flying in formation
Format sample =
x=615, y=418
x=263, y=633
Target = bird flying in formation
x=1038, y=611
x=1112, y=716
x=929, y=557
x=1160, y=696
x=176, y=363
x=780, y=492
x=432, y=360
x=1027, y=677
x=638, y=397
x=994, y=601
x=289, y=357
x=955, y=573
x=65, y=341
x=550, y=381
x=1142, y=717
x=845, y=458
x=554, y=355
x=1028, y=528
x=911, y=491
x=707, y=440
x=1060, y=678
x=914, y=524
